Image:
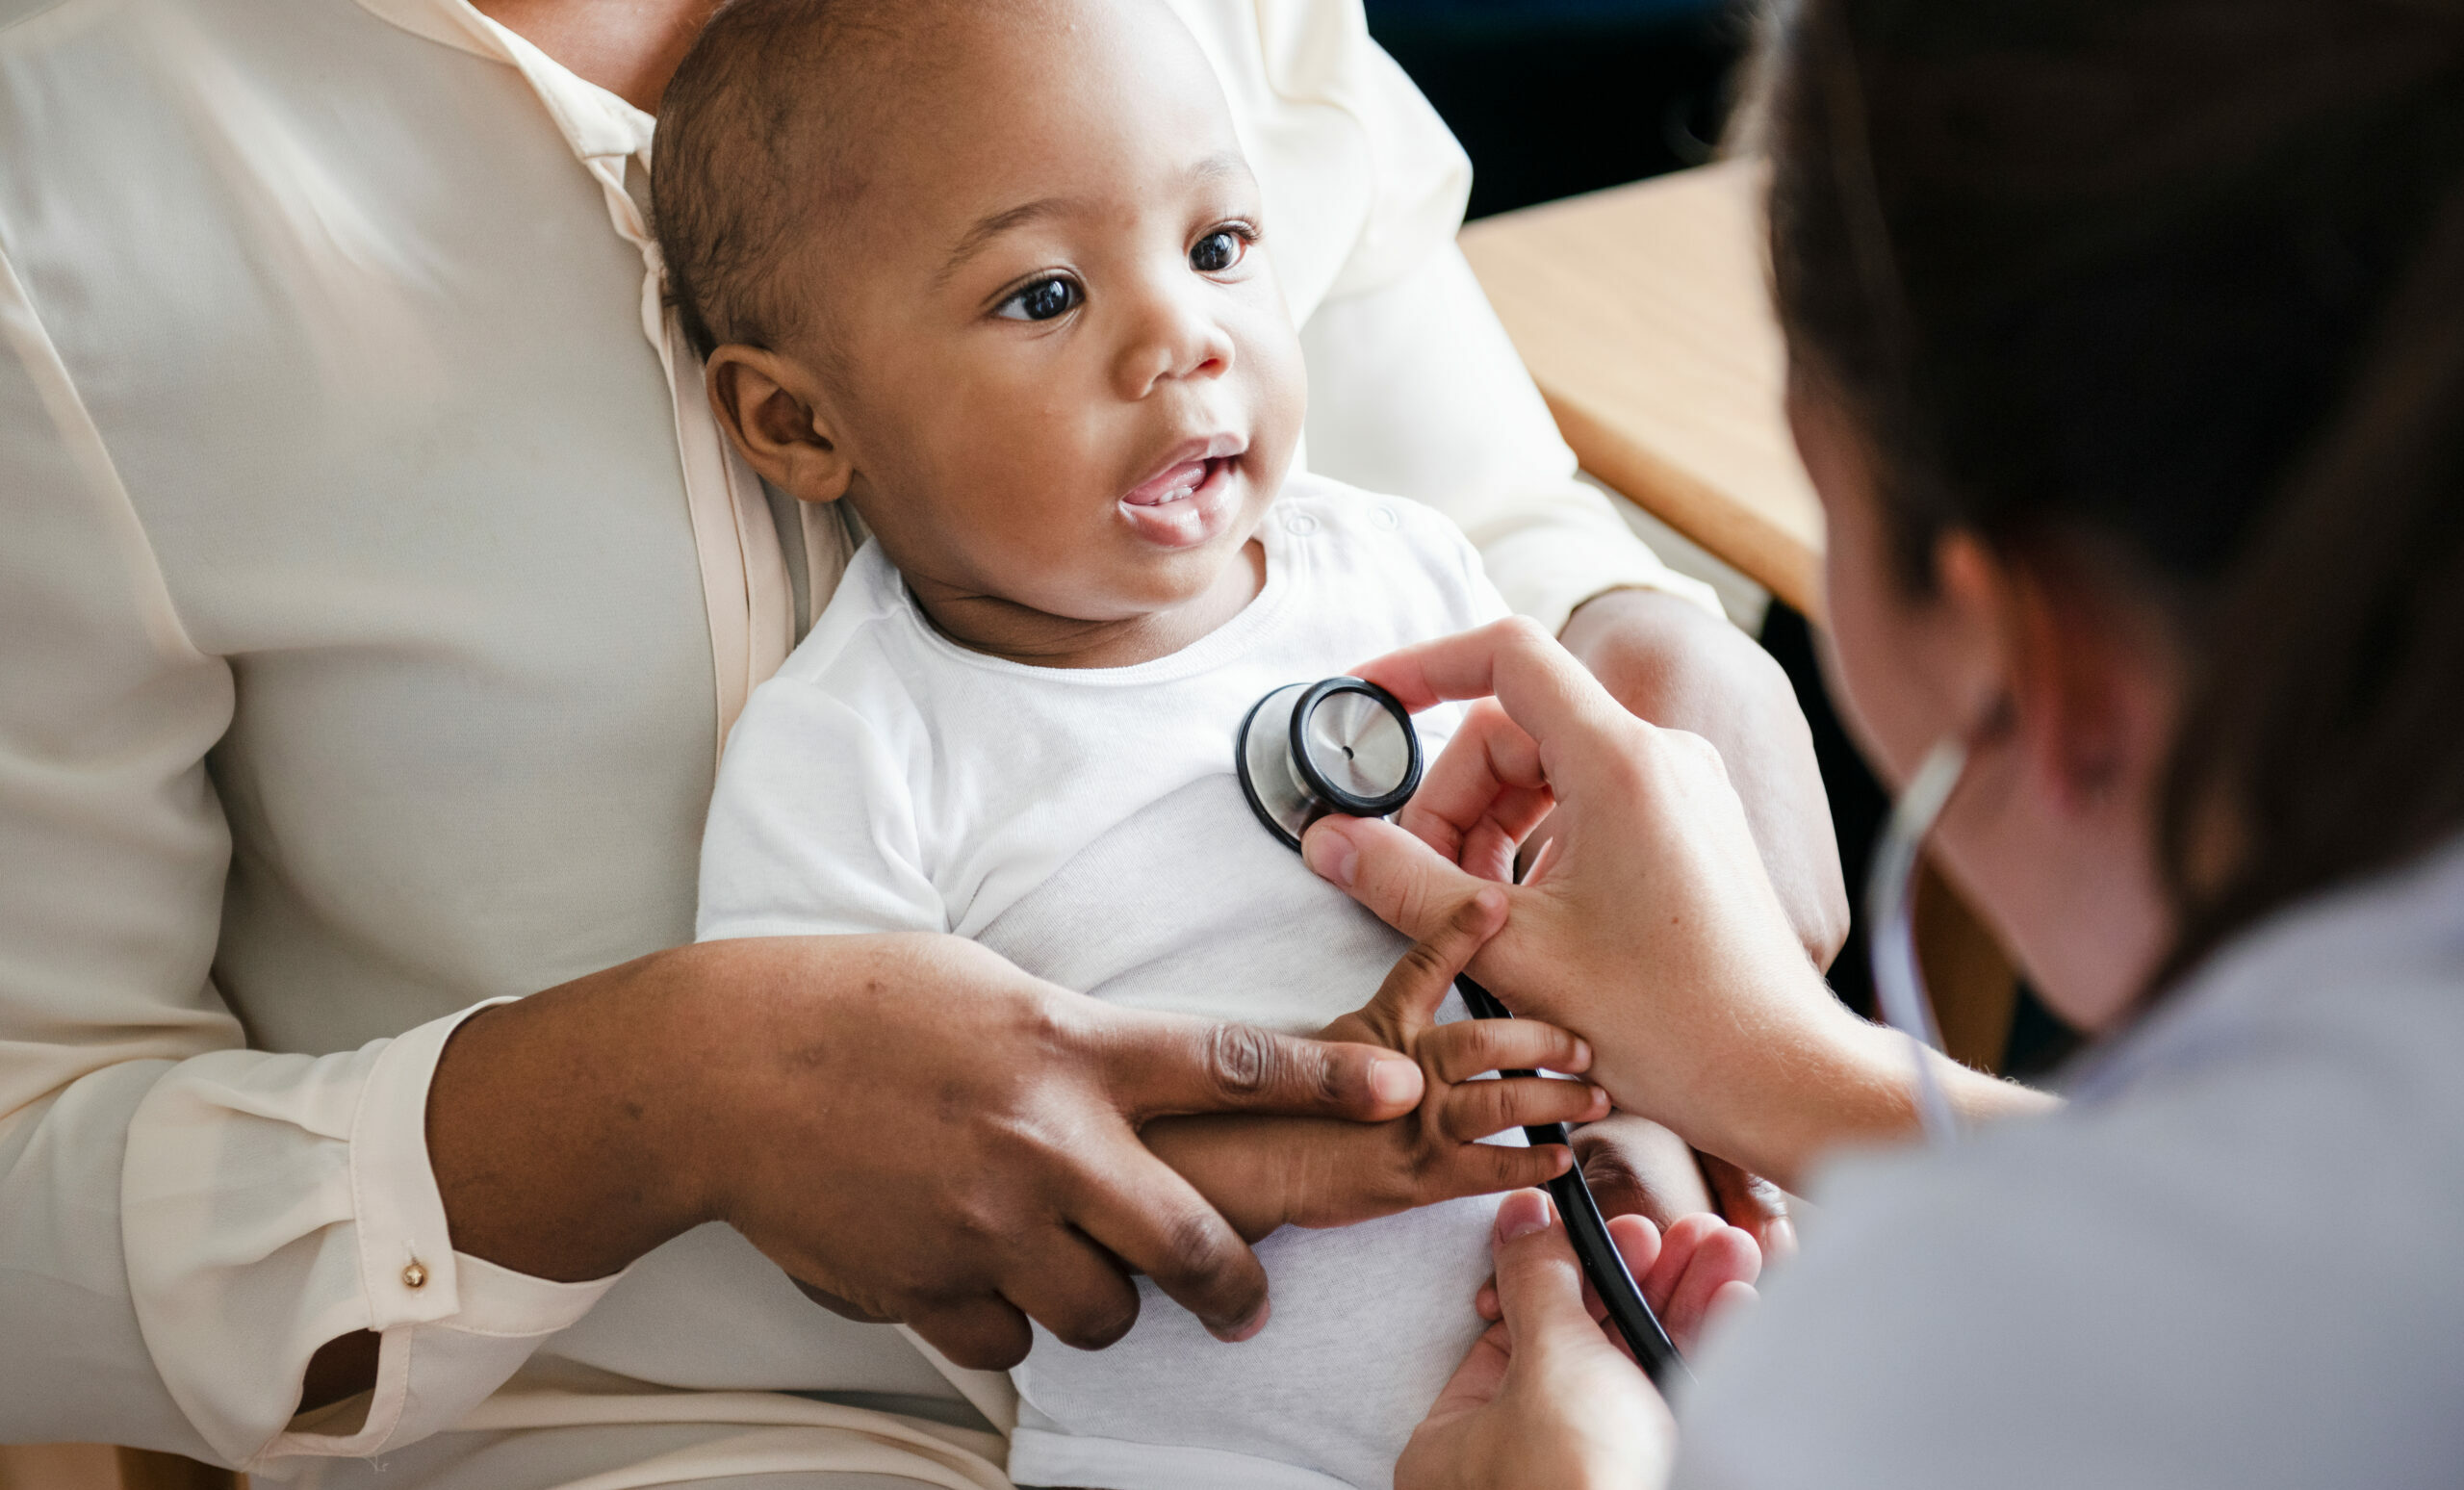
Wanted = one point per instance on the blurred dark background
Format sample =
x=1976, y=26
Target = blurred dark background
x=1553, y=97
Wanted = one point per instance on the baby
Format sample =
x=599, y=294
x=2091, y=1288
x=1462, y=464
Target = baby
x=993, y=273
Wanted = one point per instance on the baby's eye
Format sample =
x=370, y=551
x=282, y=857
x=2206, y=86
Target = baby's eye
x=1042, y=300
x=1217, y=251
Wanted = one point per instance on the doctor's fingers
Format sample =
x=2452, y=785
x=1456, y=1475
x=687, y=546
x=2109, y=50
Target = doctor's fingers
x=1157, y=1064
x=1478, y=1109
x=1485, y=792
x=1133, y=1204
x=1399, y=879
x=1539, y=1284
x=1699, y=1266
x=1547, y=690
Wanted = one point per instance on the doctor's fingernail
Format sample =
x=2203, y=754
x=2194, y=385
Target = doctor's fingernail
x=1332, y=855
x=1521, y=1214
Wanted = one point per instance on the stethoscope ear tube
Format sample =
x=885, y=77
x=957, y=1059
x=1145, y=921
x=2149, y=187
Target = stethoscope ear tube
x=1588, y=1230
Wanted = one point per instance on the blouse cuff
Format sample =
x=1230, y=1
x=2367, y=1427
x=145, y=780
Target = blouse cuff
x=343, y=1229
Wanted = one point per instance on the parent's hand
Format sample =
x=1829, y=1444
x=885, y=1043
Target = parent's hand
x=1545, y=1400
x=905, y=1122
x=1651, y=927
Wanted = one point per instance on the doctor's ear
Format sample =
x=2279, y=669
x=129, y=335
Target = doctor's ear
x=775, y=411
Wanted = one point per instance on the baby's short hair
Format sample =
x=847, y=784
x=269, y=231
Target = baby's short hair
x=755, y=147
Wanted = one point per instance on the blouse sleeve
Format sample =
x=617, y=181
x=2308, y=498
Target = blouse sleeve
x=183, y=1222
x=1414, y=387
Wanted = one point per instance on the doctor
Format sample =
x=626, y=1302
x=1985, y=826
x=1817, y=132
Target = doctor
x=2127, y=356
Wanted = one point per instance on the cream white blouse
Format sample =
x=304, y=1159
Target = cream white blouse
x=375, y=594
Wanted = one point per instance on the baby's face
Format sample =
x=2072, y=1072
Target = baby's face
x=1066, y=380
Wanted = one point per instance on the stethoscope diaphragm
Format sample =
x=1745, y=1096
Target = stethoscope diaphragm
x=1340, y=745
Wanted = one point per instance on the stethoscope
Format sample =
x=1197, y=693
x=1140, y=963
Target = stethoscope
x=1346, y=745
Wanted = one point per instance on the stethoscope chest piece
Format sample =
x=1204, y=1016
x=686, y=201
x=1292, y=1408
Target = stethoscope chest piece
x=1342, y=745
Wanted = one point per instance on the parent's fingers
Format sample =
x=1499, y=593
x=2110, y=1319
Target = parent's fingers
x=1144, y=1213
x=1074, y=1289
x=1155, y=1064
x=1404, y=881
x=844, y=1308
x=981, y=1334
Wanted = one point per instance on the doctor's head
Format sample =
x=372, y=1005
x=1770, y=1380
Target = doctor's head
x=992, y=271
x=2128, y=357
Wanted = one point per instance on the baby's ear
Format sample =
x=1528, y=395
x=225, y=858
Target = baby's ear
x=773, y=409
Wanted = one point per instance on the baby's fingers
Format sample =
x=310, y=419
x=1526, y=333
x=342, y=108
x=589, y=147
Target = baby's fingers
x=1476, y=1108
x=1486, y=1168
x=1466, y=1048
x=1407, y=1001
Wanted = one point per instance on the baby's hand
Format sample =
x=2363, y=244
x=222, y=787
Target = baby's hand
x=1263, y=1172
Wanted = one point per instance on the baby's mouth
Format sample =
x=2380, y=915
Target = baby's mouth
x=1176, y=483
x=1196, y=466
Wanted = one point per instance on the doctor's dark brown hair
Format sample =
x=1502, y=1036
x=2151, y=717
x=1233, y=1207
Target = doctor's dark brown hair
x=2180, y=282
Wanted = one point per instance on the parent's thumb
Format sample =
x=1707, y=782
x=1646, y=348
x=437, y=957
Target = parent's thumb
x=1408, y=885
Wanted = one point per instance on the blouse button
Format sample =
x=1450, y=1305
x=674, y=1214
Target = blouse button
x=1301, y=525
x=1386, y=517
x=415, y=1276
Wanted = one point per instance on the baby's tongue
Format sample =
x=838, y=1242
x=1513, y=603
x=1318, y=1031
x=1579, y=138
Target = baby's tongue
x=1179, y=481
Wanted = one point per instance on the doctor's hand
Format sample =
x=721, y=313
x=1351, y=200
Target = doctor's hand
x=906, y=1123
x=1676, y=664
x=1545, y=1400
x=1265, y=1172
x=1649, y=926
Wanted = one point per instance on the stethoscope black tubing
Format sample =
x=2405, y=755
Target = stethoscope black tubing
x=1593, y=1247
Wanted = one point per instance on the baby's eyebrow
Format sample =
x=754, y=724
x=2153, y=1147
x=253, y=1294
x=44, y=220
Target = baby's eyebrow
x=1221, y=166
x=986, y=229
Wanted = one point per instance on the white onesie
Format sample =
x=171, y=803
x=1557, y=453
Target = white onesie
x=1086, y=825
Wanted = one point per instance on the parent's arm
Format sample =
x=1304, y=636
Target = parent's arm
x=905, y=1122
x=1652, y=929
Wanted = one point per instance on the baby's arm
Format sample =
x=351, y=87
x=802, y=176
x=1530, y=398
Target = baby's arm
x=1265, y=1172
